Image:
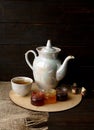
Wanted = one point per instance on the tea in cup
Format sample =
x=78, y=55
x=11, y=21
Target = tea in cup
x=21, y=85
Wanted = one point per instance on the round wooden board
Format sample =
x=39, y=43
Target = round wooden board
x=25, y=102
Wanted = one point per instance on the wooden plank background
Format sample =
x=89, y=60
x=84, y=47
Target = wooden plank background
x=27, y=24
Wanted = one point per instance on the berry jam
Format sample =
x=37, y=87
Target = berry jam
x=61, y=94
x=37, y=98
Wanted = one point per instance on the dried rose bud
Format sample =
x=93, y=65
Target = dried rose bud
x=74, y=88
x=83, y=91
x=74, y=85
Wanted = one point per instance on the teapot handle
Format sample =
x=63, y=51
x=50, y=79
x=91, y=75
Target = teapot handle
x=27, y=59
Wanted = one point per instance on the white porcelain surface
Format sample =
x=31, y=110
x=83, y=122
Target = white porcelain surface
x=47, y=69
x=21, y=89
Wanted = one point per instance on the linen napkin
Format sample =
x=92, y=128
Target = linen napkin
x=13, y=117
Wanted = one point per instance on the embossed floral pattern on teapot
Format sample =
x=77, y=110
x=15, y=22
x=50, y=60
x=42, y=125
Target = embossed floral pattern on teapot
x=47, y=69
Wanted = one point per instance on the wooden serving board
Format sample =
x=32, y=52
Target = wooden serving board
x=25, y=102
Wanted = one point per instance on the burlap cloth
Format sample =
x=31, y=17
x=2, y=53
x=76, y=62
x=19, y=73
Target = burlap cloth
x=12, y=117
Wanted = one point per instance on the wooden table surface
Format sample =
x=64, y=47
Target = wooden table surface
x=80, y=117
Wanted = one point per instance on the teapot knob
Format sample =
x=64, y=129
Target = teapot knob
x=49, y=44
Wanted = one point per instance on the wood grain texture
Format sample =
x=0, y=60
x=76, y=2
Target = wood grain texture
x=80, y=117
x=27, y=24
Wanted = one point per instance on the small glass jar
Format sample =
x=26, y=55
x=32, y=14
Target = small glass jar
x=37, y=98
x=50, y=96
x=62, y=94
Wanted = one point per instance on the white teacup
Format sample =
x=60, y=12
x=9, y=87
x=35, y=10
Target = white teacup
x=21, y=85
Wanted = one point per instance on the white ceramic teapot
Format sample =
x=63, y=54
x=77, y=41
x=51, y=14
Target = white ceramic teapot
x=47, y=69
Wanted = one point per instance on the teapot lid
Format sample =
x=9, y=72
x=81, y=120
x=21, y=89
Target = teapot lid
x=49, y=48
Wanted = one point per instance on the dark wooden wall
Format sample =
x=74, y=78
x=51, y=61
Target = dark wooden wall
x=27, y=24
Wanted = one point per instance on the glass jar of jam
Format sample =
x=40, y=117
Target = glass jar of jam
x=62, y=94
x=50, y=96
x=37, y=98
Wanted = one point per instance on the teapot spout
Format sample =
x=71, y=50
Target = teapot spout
x=62, y=69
